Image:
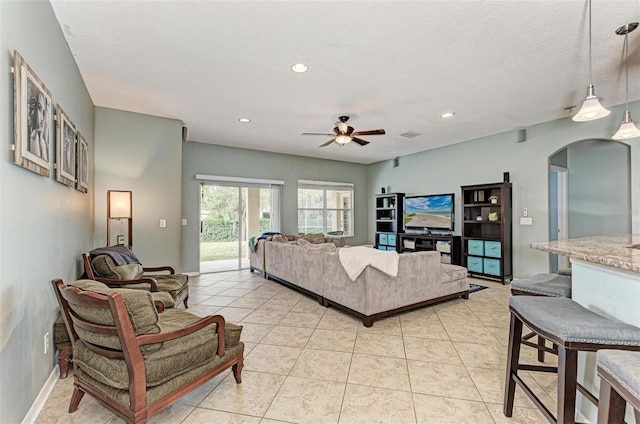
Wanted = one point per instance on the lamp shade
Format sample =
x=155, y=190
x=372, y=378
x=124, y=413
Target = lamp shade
x=627, y=129
x=591, y=110
x=119, y=204
x=343, y=139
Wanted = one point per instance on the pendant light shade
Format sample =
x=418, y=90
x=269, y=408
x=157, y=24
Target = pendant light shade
x=627, y=127
x=591, y=109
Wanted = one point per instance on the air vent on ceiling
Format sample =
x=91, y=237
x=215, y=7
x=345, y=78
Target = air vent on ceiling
x=410, y=134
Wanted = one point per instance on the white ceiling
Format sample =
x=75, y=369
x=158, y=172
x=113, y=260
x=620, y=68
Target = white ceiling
x=397, y=65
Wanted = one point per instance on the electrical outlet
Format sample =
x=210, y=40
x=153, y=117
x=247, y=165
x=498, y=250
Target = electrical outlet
x=46, y=342
x=525, y=212
x=163, y=223
x=184, y=221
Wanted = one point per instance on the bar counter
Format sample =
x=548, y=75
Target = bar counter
x=606, y=280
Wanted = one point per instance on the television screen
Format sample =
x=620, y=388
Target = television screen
x=429, y=212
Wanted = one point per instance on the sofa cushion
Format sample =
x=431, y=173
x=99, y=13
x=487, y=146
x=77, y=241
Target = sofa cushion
x=313, y=238
x=105, y=267
x=449, y=273
x=338, y=241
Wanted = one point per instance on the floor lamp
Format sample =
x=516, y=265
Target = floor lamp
x=120, y=206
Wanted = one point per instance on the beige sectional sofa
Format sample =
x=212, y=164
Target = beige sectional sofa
x=316, y=269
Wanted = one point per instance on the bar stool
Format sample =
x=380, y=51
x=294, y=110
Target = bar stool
x=572, y=328
x=553, y=285
x=619, y=373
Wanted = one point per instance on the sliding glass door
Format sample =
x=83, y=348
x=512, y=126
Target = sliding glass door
x=230, y=214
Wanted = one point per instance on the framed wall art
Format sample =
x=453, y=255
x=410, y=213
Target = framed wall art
x=82, y=161
x=32, y=119
x=65, y=149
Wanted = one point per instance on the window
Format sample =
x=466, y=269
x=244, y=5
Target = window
x=325, y=207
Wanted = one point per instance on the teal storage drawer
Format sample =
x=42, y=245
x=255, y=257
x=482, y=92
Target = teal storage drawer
x=493, y=249
x=382, y=247
x=391, y=239
x=492, y=267
x=475, y=247
x=382, y=239
x=474, y=264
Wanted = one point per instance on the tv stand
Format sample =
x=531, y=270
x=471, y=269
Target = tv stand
x=449, y=246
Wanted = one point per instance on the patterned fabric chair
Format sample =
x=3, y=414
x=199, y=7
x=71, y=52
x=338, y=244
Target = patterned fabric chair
x=102, y=267
x=135, y=361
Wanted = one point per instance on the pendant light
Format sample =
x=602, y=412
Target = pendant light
x=591, y=108
x=627, y=128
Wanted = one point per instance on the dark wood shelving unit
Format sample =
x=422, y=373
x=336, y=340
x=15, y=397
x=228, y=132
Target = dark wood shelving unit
x=487, y=231
x=389, y=220
x=448, y=246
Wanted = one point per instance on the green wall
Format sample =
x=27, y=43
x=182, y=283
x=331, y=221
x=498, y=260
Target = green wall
x=201, y=158
x=44, y=226
x=484, y=160
x=143, y=154
x=599, y=192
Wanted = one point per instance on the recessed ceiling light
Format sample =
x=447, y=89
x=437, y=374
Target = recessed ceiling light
x=447, y=115
x=299, y=68
x=244, y=120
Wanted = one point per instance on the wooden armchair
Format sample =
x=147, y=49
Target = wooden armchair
x=135, y=361
x=103, y=268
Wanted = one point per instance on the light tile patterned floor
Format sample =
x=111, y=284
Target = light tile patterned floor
x=308, y=364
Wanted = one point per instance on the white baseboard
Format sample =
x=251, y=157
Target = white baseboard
x=44, y=394
x=192, y=274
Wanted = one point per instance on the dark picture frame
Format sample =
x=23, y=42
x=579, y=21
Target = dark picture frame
x=82, y=164
x=32, y=119
x=65, y=149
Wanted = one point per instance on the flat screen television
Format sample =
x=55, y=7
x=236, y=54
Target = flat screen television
x=429, y=212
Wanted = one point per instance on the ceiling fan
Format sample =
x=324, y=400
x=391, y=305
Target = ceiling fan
x=343, y=133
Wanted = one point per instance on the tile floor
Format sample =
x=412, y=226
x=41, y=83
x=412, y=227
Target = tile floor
x=308, y=364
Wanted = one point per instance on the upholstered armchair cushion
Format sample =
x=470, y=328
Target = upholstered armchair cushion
x=140, y=306
x=172, y=284
x=105, y=267
x=174, y=358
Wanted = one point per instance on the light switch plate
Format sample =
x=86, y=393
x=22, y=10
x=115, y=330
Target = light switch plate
x=526, y=221
x=184, y=221
x=163, y=223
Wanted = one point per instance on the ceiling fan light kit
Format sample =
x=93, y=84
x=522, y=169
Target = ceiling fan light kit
x=627, y=127
x=591, y=108
x=344, y=134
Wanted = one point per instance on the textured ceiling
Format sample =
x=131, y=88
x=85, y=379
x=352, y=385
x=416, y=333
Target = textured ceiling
x=397, y=65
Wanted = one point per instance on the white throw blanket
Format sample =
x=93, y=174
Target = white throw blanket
x=355, y=259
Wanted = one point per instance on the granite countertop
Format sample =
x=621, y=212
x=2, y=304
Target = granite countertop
x=615, y=250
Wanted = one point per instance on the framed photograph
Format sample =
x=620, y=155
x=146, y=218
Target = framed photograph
x=65, y=149
x=82, y=164
x=32, y=119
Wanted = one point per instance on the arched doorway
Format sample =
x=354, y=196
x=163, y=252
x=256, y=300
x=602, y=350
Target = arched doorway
x=589, y=191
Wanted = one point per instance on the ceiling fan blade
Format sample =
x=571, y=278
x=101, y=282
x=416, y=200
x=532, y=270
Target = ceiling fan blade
x=359, y=141
x=328, y=142
x=318, y=134
x=370, y=132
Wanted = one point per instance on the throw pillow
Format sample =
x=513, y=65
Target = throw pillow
x=280, y=238
x=105, y=267
x=302, y=242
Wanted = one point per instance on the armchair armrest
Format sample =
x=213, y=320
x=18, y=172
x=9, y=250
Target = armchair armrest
x=159, y=268
x=118, y=283
x=165, y=336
